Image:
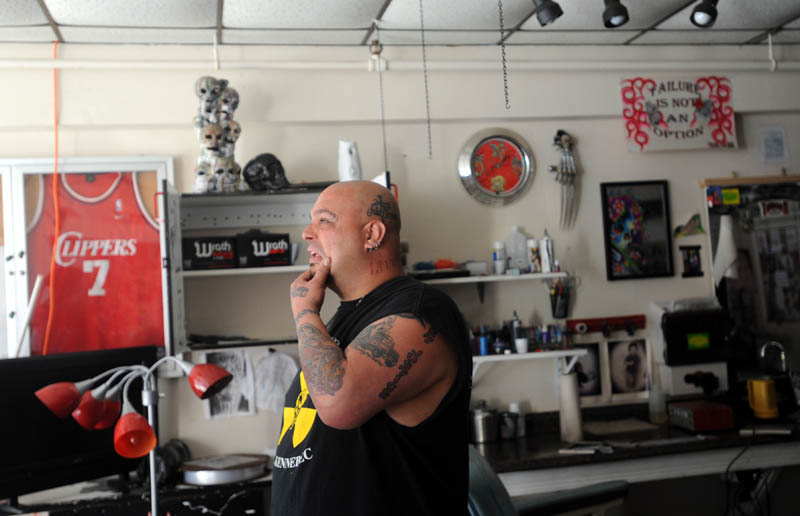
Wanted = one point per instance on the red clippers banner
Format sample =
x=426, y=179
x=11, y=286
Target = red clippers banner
x=678, y=113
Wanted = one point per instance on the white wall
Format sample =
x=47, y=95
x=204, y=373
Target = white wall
x=127, y=107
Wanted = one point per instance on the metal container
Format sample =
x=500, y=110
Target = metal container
x=484, y=424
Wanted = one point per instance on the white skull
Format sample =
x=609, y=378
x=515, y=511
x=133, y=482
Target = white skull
x=232, y=130
x=228, y=103
x=212, y=136
x=202, y=174
x=209, y=88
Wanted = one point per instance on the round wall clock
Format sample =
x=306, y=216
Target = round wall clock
x=496, y=166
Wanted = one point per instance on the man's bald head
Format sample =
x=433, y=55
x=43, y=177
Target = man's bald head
x=370, y=201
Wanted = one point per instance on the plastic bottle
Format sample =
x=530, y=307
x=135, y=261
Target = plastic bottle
x=534, y=262
x=499, y=257
x=516, y=326
x=516, y=249
x=546, y=252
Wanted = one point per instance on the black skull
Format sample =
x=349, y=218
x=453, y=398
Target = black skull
x=265, y=172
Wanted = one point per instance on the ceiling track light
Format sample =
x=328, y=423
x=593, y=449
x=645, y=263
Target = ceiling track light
x=704, y=14
x=615, y=14
x=547, y=11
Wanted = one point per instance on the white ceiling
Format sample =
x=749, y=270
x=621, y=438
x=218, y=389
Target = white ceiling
x=354, y=22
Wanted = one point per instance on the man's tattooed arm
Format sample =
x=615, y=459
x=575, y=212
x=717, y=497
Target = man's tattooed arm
x=302, y=313
x=405, y=367
x=375, y=342
x=322, y=360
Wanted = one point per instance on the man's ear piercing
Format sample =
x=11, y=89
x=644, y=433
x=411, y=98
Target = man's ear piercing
x=374, y=248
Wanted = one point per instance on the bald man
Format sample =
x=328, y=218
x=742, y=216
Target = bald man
x=376, y=421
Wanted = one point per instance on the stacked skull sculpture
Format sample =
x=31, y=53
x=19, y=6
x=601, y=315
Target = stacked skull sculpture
x=216, y=169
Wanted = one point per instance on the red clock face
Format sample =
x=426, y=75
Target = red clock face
x=497, y=165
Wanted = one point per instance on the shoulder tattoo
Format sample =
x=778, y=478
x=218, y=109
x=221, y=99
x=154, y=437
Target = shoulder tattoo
x=321, y=359
x=405, y=367
x=375, y=342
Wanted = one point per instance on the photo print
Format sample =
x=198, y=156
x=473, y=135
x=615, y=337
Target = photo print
x=588, y=370
x=628, y=369
x=237, y=399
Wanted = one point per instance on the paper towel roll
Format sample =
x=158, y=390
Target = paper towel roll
x=725, y=257
x=349, y=162
x=569, y=411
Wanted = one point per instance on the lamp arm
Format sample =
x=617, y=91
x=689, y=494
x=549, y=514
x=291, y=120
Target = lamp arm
x=185, y=366
x=131, y=376
x=131, y=371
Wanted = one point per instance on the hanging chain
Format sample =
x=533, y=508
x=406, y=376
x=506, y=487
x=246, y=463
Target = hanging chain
x=425, y=75
x=375, y=49
x=503, y=53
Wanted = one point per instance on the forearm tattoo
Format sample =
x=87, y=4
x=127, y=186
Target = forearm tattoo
x=405, y=367
x=383, y=210
x=322, y=360
x=375, y=342
x=302, y=313
x=298, y=291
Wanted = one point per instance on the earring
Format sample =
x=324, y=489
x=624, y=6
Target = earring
x=374, y=248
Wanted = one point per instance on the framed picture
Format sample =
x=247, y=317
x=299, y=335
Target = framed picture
x=628, y=368
x=588, y=369
x=636, y=230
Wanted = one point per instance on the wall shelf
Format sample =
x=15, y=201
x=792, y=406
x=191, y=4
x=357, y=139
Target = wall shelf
x=535, y=355
x=481, y=281
x=245, y=271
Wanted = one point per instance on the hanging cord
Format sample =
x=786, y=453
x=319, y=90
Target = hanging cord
x=503, y=53
x=375, y=48
x=57, y=227
x=425, y=75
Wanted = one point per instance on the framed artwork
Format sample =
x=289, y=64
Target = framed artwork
x=496, y=166
x=615, y=370
x=636, y=230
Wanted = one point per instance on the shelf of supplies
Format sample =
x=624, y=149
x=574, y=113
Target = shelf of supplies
x=245, y=271
x=480, y=281
x=561, y=353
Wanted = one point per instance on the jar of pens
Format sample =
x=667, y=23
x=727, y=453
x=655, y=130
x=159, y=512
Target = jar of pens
x=559, y=297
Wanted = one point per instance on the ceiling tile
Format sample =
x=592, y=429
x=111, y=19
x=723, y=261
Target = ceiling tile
x=455, y=14
x=741, y=14
x=134, y=13
x=588, y=15
x=440, y=37
x=299, y=14
x=21, y=12
x=26, y=34
x=293, y=37
x=576, y=37
x=692, y=37
x=136, y=35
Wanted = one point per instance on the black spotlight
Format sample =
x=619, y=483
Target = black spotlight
x=615, y=14
x=547, y=11
x=705, y=14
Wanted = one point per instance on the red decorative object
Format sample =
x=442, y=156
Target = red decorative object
x=718, y=90
x=133, y=436
x=61, y=398
x=88, y=411
x=111, y=410
x=207, y=380
x=633, y=109
x=497, y=165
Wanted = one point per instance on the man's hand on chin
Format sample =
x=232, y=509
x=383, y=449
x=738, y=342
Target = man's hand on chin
x=307, y=292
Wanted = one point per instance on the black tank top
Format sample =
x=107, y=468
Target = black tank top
x=382, y=467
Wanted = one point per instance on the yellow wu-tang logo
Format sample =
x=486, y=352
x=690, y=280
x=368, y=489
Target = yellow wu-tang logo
x=298, y=418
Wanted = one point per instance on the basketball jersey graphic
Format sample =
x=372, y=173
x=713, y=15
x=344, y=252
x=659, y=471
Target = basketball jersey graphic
x=107, y=286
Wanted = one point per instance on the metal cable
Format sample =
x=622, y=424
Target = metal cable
x=425, y=75
x=503, y=53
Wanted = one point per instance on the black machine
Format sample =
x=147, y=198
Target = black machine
x=40, y=451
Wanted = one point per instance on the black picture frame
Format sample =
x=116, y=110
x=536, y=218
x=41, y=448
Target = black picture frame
x=636, y=230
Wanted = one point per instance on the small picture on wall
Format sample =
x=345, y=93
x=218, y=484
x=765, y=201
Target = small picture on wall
x=588, y=370
x=628, y=361
x=636, y=230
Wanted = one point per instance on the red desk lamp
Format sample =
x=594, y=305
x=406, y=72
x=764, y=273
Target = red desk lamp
x=98, y=408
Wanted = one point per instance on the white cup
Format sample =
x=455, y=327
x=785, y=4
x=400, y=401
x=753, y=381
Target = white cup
x=521, y=344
